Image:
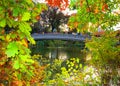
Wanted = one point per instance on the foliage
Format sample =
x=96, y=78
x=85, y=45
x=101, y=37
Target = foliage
x=76, y=74
x=39, y=73
x=92, y=14
x=16, y=64
x=15, y=60
x=105, y=52
x=50, y=19
x=62, y=4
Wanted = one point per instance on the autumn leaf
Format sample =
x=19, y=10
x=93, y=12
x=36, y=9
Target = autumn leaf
x=104, y=7
x=37, y=17
x=88, y=10
x=76, y=24
x=96, y=10
x=62, y=4
x=25, y=43
x=81, y=3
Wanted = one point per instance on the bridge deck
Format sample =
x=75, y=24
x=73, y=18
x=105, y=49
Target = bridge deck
x=59, y=36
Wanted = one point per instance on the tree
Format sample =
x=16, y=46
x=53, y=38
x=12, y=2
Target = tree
x=17, y=67
x=50, y=19
x=105, y=56
x=16, y=63
x=92, y=14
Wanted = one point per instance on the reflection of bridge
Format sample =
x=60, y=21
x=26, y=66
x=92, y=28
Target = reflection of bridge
x=59, y=36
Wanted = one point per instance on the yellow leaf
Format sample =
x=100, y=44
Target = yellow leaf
x=7, y=38
x=25, y=43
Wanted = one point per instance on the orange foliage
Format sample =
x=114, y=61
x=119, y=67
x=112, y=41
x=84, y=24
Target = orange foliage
x=39, y=74
x=76, y=24
x=25, y=42
x=38, y=17
x=99, y=33
x=4, y=76
x=96, y=10
x=62, y=4
x=16, y=83
x=88, y=10
x=3, y=31
x=81, y=3
x=104, y=7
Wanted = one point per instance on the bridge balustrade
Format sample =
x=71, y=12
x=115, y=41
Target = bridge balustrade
x=59, y=36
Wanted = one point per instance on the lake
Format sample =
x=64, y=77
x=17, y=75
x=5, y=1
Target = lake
x=57, y=51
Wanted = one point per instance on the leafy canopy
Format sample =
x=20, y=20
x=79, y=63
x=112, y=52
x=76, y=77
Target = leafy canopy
x=15, y=26
x=92, y=14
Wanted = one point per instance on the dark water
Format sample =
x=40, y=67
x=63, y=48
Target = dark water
x=57, y=52
x=61, y=52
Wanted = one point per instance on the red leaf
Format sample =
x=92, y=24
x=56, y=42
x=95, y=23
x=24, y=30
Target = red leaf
x=104, y=7
x=62, y=4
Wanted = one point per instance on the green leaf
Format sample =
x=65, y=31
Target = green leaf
x=29, y=1
x=29, y=61
x=26, y=16
x=1, y=8
x=3, y=23
x=25, y=28
x=76, y=66
x=10, y=22
x=26, y=58
x=15, y=12
x=13, y=36
x=19, y=76
x=31, y=40
x=2, y=37
x=12, y=49
x=16, y=64
x=80, y=65
x=23, y=57
x=77, y=60
x=30, y=73
x=23, y=68
x=60, y=82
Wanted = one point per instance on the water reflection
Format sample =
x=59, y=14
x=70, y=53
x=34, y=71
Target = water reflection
x=58, y=53
x=62, y=53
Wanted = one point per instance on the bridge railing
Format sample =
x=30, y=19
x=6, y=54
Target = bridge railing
x=59, y=36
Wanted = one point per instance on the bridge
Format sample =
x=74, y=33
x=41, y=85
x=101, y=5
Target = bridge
x=60, y=36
